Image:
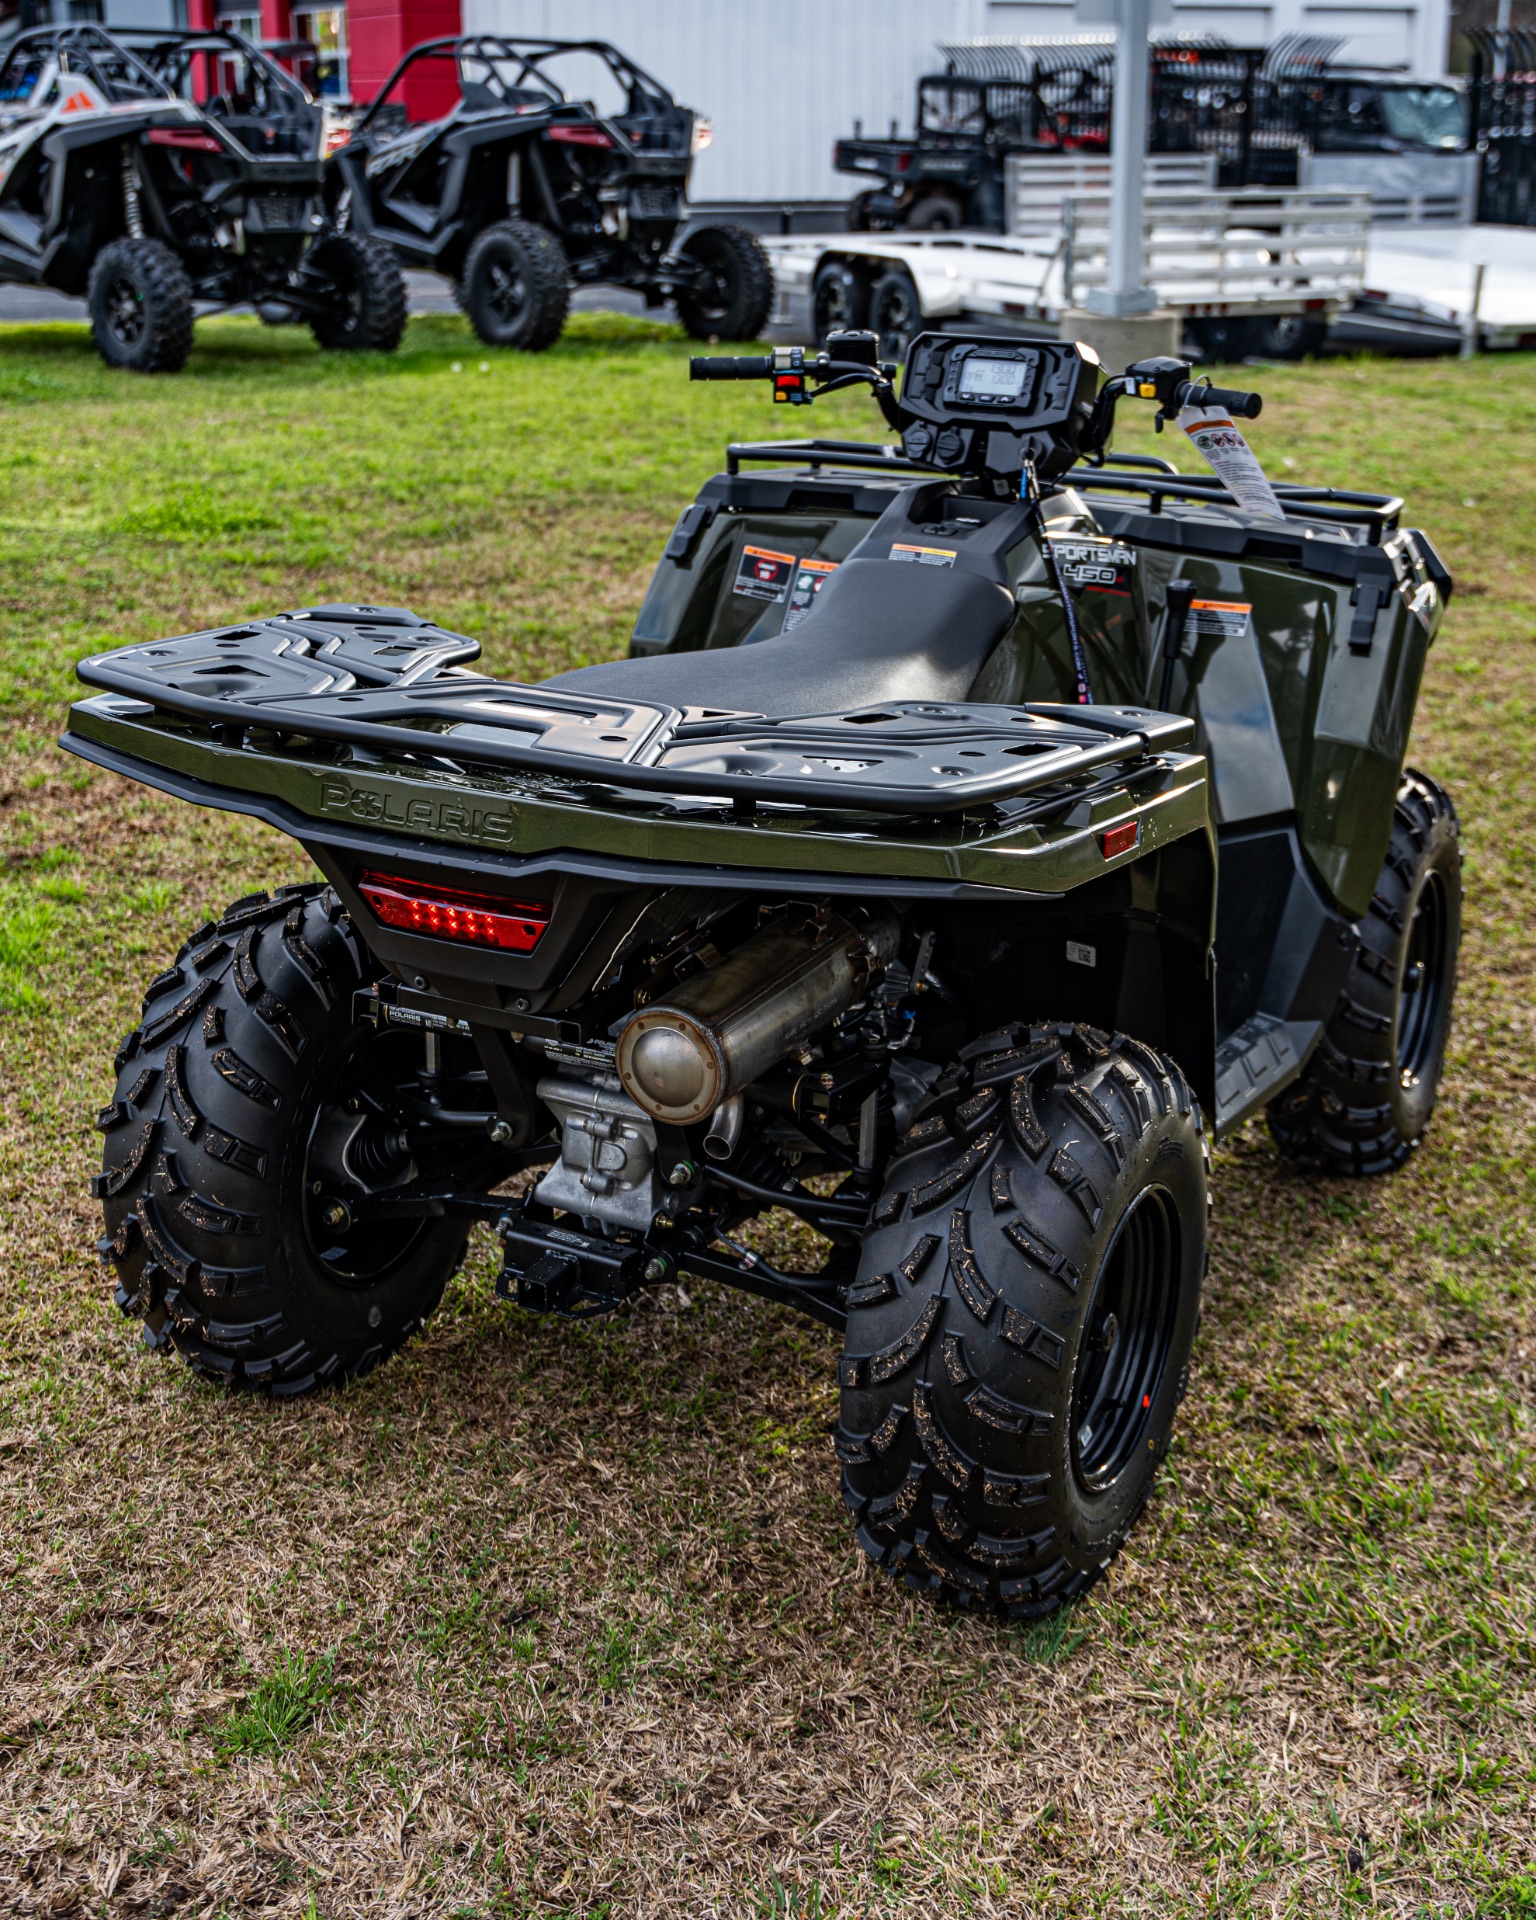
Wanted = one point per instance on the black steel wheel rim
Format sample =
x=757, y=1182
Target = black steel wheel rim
x=125, y=312
x=1425, y=982
x=364, y=1101
x=506, y=290
x=1129, y=1329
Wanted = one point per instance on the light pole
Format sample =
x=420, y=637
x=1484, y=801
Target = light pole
x=1124, y=294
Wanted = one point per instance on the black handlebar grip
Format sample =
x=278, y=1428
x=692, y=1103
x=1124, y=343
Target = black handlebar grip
x=731, y=366
x=1243, y=406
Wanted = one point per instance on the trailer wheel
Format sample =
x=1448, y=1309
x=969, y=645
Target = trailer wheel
x=1366, y=1097
x=368, y=293
x=140, y=302
x=734, y=294
x=840, y=298
x=895, y=313
x=1288, y=336
x=1224, y=339
x=249, y=1105
x=935, y=213
x=515, y=286
x=1020, y=1329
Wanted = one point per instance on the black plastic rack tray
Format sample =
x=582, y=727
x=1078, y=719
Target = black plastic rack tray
x=383, y=680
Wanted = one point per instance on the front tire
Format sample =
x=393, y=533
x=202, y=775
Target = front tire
x=733, y=295
x=140, y=302
x=1366, y=1097
x=1019, y=1332
x=515, y=287
x=368, y=293
x=233, y=1093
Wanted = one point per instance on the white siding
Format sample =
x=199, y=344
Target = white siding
x=782, y=82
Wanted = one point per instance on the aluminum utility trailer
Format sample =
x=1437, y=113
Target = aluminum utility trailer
x=1254, y=252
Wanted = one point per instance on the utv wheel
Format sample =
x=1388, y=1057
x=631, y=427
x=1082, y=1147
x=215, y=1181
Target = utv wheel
x=1020, y=1329
x=840, y=299
x=245, y=1099
x=935, y=213
x=734, y=295
x=1367, y=1094
x=368, y=293
x=894, y=314
x=516, y=287
x=140, y=302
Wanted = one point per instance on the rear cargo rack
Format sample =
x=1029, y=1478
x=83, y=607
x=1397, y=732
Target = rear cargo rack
x=384, y=682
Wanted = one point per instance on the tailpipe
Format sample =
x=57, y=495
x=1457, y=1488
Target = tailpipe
x=694, y=1049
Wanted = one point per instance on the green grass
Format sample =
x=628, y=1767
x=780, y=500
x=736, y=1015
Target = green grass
x=601, y=1640
x=279, y=1707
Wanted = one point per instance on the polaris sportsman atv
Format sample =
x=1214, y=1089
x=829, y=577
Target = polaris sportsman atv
x=473, y=163
x=982, y=825
x=150, y=171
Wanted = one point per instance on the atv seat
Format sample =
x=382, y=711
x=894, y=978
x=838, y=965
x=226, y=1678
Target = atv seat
x=879, y=630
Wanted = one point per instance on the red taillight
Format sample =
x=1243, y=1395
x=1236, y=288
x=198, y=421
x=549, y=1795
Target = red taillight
x=579, y=136
x=187, y=142
x=1120, y=839
x=472, y=919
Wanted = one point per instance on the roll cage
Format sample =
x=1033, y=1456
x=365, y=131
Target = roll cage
x=483, y=61
x=136, y=64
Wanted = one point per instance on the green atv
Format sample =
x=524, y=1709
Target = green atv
x=981, y=826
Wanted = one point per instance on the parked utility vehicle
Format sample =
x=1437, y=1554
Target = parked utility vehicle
x=473, y=162
x=152, y=172
x=977, y=833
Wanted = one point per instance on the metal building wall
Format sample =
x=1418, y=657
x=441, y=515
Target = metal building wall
x=782, y=82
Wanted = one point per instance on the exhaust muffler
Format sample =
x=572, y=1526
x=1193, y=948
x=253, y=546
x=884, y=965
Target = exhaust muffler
x=713, y=1034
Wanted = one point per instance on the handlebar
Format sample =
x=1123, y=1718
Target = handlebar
x=731, y=366
x=1245, y=406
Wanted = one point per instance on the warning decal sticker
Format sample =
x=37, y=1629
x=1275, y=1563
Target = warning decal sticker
x=809, y=579
x=1225, y=619
x=924, y=556
x=763, y=574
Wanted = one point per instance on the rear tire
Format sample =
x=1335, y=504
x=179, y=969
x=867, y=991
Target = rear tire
x=231, y=1095
x=140, y=302
x=369, y=310
x=735, y=295
x=895, y=314
x=515, y=286
x=935, y=213
x=1365, y=1099
x=1019, y=1332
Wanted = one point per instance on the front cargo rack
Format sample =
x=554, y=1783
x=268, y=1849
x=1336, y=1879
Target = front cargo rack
x=387, y=683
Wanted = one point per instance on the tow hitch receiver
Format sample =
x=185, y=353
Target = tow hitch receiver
x=556, y=1269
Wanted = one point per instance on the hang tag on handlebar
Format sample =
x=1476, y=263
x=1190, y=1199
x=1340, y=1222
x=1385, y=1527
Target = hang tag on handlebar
x=1220, y=443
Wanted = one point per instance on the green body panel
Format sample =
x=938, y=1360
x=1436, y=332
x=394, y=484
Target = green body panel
x=526, y=817
x=1294, y=724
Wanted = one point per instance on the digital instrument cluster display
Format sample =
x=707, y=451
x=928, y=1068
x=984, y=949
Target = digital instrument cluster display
x=984, y=378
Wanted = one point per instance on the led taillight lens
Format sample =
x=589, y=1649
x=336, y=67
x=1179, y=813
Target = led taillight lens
x=472, y=919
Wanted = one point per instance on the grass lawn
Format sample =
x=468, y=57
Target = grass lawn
x=552, y=1620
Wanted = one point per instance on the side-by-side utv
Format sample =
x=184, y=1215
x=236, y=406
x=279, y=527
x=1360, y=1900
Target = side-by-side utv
x=483, y=159
x=156, y=171
x=983, y=825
